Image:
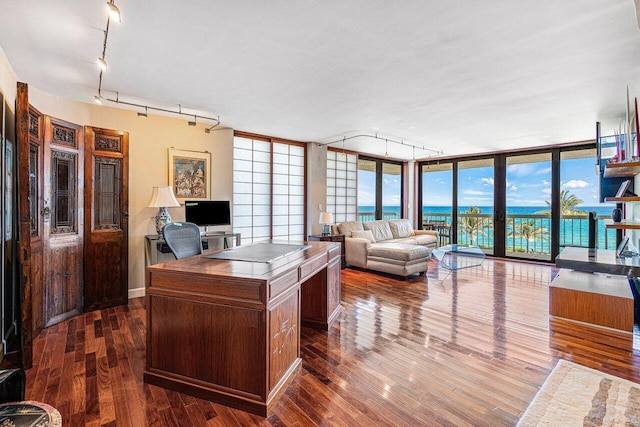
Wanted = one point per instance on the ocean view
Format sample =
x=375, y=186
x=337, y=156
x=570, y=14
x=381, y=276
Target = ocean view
x=573, y=229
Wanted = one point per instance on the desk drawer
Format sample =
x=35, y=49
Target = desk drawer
x=309, y=267
x=335, y=252
x=281, y=284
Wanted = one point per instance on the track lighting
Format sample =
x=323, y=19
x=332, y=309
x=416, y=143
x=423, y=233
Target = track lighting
x=114, y=12
x=387, y=140
x=102, y=64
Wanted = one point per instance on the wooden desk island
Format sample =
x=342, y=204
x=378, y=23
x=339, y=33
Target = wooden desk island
x=229, y=331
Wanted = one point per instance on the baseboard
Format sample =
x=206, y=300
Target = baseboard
x=136, y=293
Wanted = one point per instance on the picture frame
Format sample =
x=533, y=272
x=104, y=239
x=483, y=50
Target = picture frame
x=624, y=185
x=622, y=246
x=190, y=174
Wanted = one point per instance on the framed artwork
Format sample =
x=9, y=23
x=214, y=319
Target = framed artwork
x=190, y=174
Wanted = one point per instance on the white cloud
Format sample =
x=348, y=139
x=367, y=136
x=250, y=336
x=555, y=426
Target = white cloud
x=575, y=183
x=488, y=181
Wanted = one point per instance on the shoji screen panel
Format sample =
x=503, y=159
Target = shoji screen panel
x=342, y=186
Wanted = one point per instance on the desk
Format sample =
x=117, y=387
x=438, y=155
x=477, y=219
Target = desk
x=331, y=238
x=229, y=331
x=154, y=243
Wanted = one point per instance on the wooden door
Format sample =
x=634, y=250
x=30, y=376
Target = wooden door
x=63, y=211
x=36, y=214
x=106, y=218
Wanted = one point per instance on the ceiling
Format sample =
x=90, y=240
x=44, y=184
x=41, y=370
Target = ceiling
x=460, y=77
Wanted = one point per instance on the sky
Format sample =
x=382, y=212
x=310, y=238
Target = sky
x=528, y=184
x=391, y=185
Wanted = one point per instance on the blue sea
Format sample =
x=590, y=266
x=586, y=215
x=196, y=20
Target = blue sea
x=573, y=231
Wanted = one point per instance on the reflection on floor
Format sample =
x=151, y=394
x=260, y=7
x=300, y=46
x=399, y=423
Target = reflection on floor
x=471, y=348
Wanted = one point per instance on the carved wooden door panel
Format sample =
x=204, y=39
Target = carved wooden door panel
x=36, y=217
x=106, y=218
x=63, y=219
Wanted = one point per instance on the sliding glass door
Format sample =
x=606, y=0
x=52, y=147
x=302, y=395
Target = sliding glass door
x=528, y=201
x=380, y=194
x=437, y=199
x=528, y=205
x=475, y=204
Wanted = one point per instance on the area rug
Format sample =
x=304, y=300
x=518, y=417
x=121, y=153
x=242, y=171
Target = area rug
x=574, y=395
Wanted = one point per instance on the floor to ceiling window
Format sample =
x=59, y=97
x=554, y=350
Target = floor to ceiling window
x=528, y=201
x=579, y=195
x=436, y=199
x=342, y=185
x=380, y=184
x=268, y=189
x=475, y=203
x=524, y=205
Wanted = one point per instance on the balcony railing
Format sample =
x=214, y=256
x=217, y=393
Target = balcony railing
x=525, y=233
x=371, y=216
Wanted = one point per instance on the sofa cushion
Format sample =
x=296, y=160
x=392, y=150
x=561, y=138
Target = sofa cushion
x=425, y=239
x=398, y=251
x=400, y=228
x=364, y=234
x=347, y=227
x=380, y=229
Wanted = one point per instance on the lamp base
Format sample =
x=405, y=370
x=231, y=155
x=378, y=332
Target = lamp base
x=326, y=230
x=163, y=218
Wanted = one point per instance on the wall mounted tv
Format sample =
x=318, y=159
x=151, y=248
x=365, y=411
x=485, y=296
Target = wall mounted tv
x=207, y=212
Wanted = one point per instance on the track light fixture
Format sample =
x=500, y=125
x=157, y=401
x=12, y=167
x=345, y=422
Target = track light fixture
x=102, y=64
x=359, y=134
x=114, y=12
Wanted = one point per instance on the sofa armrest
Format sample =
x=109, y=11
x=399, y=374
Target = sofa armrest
x=355, y=249
x=433, y=232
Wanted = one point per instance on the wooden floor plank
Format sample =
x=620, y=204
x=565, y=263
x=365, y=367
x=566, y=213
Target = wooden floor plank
x=467, y=348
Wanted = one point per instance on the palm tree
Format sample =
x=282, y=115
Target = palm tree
x=528, y=231
x=473, y=224
x=568, y=201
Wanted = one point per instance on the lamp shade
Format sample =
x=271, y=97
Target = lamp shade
x=326, y=218
x=163, y=197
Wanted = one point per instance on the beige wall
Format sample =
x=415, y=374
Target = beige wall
x=149, y=141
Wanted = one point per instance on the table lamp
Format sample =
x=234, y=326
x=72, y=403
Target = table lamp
x=326, y=218
x=162, y=197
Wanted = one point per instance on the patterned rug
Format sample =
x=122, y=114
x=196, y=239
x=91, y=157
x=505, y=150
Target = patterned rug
x=574, y=395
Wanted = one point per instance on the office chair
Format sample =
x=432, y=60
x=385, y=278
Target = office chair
x=13, y=383
x=183, y=238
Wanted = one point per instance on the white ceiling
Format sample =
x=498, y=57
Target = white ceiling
x=459, y=76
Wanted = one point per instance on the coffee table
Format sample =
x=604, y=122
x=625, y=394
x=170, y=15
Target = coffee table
x=456, y=257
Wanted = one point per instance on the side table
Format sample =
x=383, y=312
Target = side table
x=332, y=238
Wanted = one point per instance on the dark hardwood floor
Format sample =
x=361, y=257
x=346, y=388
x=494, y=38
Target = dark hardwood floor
x=467, y=348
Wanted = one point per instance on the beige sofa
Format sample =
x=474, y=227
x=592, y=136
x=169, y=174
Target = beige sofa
x=390, y=246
